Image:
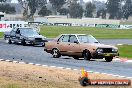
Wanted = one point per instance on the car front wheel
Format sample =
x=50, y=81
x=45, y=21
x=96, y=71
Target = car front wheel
x=108, y=59
x=9, y=41
x=86, y=55
x=56, y=53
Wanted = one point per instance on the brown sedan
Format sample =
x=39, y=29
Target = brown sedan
x=80, y=46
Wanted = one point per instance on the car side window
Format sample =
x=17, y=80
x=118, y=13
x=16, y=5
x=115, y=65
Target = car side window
x=64, y=38
x=17, y=31
x=73, y=39
x=12, y=32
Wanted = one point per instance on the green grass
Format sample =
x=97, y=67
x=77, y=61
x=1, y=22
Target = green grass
x=11, y=86
x=125, y=51
x=1, y=34
x=101, y=33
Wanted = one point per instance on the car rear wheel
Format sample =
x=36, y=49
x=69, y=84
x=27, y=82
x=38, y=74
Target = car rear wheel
x=23, y=42
x=108, y=59
x=86, y=55
x=56, y=53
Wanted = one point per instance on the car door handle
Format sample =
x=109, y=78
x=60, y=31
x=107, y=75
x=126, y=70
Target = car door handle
x=68, y=44
x=57, y=43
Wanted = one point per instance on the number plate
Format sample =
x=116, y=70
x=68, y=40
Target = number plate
x=107, y=54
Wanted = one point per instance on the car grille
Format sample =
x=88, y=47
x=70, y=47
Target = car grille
x=107, y=50
x=38, y=39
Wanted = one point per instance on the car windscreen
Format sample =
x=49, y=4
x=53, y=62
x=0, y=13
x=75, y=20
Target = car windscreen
x=28, y=32
x=87, y=39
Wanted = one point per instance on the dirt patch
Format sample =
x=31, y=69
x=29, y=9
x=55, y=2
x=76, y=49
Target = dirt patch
x=15, y=75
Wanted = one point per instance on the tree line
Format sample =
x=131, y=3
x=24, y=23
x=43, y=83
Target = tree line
x=117, y=9
x=6, y=8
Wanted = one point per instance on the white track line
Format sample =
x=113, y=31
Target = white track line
x=45, y=65
x=67, y=68
x=38, y=64
x=31, y=63
x=8, y=60
x=53, y=66
x=22, y=62
x=15, y=62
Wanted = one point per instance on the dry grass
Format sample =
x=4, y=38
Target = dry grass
x=14, y=75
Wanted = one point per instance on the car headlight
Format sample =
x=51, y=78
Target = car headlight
x=114, y=50
x=99, y=50
x=44, y=38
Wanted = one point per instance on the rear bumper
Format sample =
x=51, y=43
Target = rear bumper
x=103, y=55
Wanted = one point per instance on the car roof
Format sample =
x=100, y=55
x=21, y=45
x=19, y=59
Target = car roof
x=23, y=27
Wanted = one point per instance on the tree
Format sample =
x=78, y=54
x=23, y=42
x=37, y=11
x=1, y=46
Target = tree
x=75, y=10
x=2, y=0
x=24, y=4
x=44, y=11
x=63, y=11
x=57, y=4
x=32, y=5
x=113, y=8
x=9, y=9
x=101, y=13
x=98, y=14
x=127, y=9
x=6, y=8
x=41, y=3
x=90, y=8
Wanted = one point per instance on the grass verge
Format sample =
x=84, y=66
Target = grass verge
x=102, y=33
x=1, y=34
x=125, y=51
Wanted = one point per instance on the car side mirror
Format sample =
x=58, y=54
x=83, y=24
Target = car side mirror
x=76, y=42
x=18, y=32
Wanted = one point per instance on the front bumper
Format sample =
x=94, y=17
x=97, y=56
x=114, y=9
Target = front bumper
x=34, y=42
x=102, y=55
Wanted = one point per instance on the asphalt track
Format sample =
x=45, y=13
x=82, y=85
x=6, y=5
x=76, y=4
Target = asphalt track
x=37, y=55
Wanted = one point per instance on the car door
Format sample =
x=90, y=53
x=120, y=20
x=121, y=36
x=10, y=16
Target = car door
x=62, y=44
x=12, y=35
x=74, y=46
x=18, y=34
